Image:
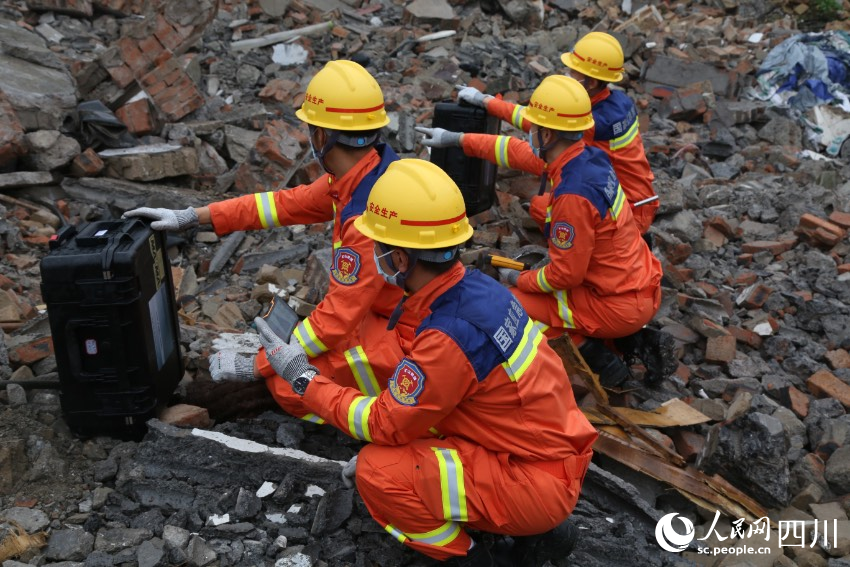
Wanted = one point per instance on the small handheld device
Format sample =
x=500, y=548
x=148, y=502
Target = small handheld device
x=281, y=318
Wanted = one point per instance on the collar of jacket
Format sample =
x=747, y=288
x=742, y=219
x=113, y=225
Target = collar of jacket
x=554, y=168
x=600, y=96
x=340, y=189
x=419, y=303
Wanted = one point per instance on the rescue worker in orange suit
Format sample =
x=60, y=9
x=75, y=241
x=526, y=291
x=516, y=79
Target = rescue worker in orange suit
x=596, y=61
x=346, y=335
x=602, y=281
x=478, y=427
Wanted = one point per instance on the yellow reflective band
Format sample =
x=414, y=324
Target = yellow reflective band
x=524, y=353
x=549, y=214
x=313, y=418
x=358, y=417
x=451, y=484
x=564, y=309
x=337, y=244
x=625, y=139
x=516, y=118
x=435, y=432
x=362, y=370
x=395, y=533
x=617, y=207
x=308, y=339
x=439, y=537
x=266, y=209
x=542, y=327
x=502, y=151
x=542, y=282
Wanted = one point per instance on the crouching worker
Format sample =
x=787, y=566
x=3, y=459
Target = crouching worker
x=603, y=281
x=478, y=427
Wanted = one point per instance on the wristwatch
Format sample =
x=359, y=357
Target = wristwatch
x=299, y=385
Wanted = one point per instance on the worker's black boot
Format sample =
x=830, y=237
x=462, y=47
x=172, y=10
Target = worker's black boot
x=554, y=545
x=610, y=368
x=478, y=556
x=655, y=349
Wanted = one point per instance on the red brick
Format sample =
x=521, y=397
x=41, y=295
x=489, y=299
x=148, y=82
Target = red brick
x=34, y=351
x=6, y=283
x=87, y=164
x=186, y=415
x=744, y=277
x=838, y=358
x=714, y=236
x=137, y=116
x=841, y=219
x=811, y=221
x=720, y=349
x=824, y=383
x=795, y=400
x=687, y=443
x=709, y=289
x=754, y=296
x=826, y=236
x=745, y=336
x=744, y=259
x=843, y=268
x=773, y=246
x=278, y=90
x=683, y=373
x=121, y=75
x=721, y=225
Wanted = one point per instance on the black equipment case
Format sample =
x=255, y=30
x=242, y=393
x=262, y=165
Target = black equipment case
x=475, y=177
x=110, y=302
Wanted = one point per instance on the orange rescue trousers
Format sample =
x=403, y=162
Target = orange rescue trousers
x=591, y=315
x=426, y=492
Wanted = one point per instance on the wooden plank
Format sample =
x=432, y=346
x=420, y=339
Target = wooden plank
x=672, y=413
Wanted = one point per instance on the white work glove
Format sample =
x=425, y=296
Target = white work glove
x=230, y=366
x=471, y=95
x=288, y=359
x=508, y=275
x=166, y=219
x=348, y=472
x=439, y=137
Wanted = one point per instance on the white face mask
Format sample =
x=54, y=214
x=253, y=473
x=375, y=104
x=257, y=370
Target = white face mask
x=393, y=279
x=534, y=149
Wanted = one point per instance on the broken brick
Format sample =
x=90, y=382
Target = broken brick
x=773, y=246
x=87, y=164
x=687, y=443
x=186, y=415
x=720, y=349
x=32, y=351
x=137, y=116
x=838, y=358
x=812, y=222
x=795, y=400
x=841, y=219
x=714, y=236
x=745, y=336
x=843, y=268
x=754, y=296
x=824, y=383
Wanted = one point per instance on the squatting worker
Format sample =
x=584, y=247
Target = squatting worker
x=346, y=335
x=595, y=61
x=478, y=426
x=602, y=282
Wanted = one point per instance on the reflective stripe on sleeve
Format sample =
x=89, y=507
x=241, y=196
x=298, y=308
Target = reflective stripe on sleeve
x=564, y=309
x=308, y=339
x=266, y=209
x=451, y=484
x=516, y=118
x=524, y=353
x=399, y=535
x=502, y=150
x=362, y=370
x=439, y=537
x=622, y=141
x=358, y=417
x=619, y=200
x=542, y=282
x=313, y=418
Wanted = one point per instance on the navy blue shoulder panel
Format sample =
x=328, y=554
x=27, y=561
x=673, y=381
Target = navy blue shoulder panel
x=482, y=317
x=590, y=175
x=360, y=196
x=613, y=116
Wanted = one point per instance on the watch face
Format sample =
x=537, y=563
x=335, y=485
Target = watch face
x=299, y=385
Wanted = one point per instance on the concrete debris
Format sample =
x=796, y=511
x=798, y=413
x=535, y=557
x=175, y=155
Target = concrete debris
x=752, y=233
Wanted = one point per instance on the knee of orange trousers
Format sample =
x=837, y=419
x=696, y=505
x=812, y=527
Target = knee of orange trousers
x=386, y=482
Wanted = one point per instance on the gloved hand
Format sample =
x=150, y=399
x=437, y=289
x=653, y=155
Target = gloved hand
x=471, y=95
x=439, y=137
x=348, y=472
x=288, y=359
x=508, y=275
x=166, y=219
x=230, y=366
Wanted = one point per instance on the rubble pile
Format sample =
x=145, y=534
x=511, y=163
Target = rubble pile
x=184, y=103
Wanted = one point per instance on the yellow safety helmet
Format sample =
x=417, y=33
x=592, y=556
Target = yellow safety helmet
x=597, y=55
x=559, y=103
x=344, y=96
x=415, y=204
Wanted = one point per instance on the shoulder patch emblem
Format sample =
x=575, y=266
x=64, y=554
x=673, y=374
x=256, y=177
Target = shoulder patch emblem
x=562, y=235
x=407, y=383
x=346, y=266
